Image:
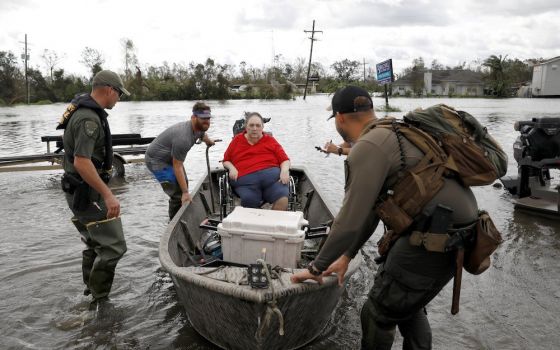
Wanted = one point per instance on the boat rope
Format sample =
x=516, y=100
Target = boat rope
x=271, y=308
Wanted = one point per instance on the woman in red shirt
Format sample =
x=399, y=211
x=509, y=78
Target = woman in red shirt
x=258, y=166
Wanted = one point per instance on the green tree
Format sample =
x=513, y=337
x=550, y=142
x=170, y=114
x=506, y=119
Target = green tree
x=346, y=70
x=11, y=80
x=93, y=60
x=51, y=59
x=518, y=71
x=245, y=72
x=496, y=76
x=417, y=65
x=40, y=90
x=415, y=74
x=129, y=57
x=436, y=65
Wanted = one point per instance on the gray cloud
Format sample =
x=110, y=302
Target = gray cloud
x=522, y=8
x=13, y=5
x=393, y=14
x=273, y=15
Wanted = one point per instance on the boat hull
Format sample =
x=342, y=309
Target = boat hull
x=232, y=323
x=233, y=315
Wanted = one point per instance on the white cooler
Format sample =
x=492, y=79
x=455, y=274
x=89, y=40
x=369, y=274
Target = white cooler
x=246, y=231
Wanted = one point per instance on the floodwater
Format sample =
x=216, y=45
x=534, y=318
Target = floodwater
x=514, y=305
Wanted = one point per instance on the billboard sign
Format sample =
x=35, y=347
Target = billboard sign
x=385, y=71
x=313, y=78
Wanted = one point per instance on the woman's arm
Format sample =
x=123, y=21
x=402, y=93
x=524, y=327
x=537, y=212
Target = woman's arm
x=285, y=172
x=232, y=170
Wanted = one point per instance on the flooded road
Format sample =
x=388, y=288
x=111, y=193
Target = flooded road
x=515, y=305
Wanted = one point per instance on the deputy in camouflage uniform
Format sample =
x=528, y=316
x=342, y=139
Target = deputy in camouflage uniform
x=411, y=276
x=88, y=158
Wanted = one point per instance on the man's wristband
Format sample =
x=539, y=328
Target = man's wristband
x=312, y=270
x=339, y=150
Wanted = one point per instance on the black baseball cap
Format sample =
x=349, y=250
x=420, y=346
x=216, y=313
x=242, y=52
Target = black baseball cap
x=345, y=100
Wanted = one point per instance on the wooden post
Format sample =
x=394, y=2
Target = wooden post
x=386, y=99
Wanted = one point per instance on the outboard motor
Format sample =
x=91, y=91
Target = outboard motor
x=536, y=150
x=539, y=139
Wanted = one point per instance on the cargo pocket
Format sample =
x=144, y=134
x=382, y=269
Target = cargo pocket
x=400, y=291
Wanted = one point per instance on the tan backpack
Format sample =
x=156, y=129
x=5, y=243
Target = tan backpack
x=454, y=143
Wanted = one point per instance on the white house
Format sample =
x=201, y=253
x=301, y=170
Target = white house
x=456, y=82
x=546, y=79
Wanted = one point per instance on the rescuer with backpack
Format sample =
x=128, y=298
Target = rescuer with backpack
x=412, y=181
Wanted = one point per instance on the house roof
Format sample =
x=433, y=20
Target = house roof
x=464, y=76
x=554, y=59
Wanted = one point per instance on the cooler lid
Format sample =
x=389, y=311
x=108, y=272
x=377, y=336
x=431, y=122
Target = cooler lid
x=264, y=221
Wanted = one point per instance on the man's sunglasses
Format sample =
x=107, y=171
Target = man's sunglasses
x=119, y=92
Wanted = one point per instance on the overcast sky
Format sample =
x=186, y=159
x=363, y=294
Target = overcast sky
x=253, y=31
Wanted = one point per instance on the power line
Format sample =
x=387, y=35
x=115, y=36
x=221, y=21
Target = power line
x=365, y=69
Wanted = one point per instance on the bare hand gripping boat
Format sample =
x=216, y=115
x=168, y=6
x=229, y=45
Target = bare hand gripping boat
x=217, y=295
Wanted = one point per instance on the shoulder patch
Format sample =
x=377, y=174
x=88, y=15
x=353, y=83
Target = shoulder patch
x=90, y=128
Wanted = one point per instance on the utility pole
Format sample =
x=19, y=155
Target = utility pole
x=364, y=70
x=272, y=79
x=312, y=31
x=25, y=57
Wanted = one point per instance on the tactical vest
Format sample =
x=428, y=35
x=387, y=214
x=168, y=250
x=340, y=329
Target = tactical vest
x=85, y=101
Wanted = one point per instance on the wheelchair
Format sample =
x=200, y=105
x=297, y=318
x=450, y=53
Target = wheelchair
x=228, y=199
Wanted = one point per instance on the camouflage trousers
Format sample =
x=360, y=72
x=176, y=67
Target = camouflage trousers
x=404, y=284
x=105, y=244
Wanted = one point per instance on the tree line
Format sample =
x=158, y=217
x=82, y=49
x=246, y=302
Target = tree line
x=213, y=80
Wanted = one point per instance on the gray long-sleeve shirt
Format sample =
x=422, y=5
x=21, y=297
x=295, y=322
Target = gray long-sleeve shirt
x=372, y=163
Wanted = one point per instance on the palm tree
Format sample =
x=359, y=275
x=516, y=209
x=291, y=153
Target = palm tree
x=497, y=77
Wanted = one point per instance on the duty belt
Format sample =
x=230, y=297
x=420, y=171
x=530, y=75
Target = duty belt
x=443, y=242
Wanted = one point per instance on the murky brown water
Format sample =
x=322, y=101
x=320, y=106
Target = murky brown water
x=515, y=305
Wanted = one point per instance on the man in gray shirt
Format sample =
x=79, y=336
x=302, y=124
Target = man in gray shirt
x=166, y=154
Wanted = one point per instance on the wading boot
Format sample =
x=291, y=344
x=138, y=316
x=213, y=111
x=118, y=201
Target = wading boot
x=88, y=254
x=109, y=245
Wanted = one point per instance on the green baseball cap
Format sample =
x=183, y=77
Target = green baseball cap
x=110, y=78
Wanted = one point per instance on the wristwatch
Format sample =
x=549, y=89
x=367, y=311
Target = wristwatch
x=312, y=270
x=339, y=150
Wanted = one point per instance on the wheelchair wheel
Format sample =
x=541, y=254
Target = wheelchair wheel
x=226, y=196
x=292, y=195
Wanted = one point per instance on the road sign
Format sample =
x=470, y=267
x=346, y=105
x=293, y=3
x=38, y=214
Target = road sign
x=385, y=72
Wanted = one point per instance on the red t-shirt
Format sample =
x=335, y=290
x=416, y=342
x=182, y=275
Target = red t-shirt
x=247, y=158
